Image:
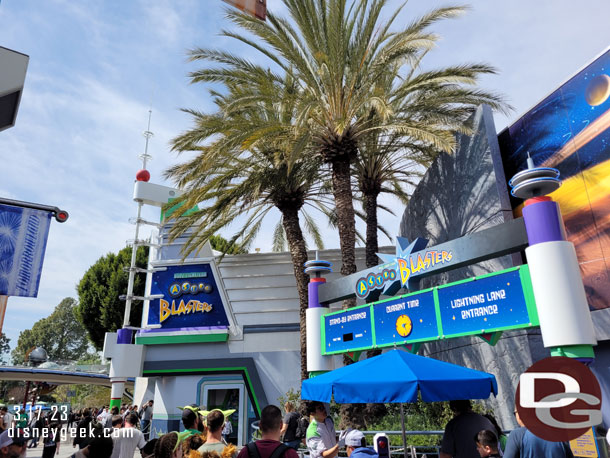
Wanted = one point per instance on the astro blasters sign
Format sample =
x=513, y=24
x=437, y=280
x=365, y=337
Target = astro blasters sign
x=398, y=270
x=191, y=299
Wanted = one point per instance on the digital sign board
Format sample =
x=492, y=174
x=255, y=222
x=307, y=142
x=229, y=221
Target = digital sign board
x=410, y=318
x=483, y=304
x=495, y=302
x=350, y=329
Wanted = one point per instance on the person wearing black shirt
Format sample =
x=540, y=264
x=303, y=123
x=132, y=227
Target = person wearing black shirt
x=82, y=429
x=289, y=426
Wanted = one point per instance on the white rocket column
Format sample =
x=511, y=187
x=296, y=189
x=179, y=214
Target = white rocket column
x=561, y=302
x=316, y=362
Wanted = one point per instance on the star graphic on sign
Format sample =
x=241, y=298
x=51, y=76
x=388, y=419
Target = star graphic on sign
x=404, y=249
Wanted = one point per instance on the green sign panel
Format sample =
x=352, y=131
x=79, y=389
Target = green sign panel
x=482, y=305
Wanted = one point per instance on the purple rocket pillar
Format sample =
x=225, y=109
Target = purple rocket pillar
x=316, y=362
x=561, y=302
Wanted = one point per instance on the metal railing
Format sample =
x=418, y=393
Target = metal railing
x=68, y=366
x=432, y=451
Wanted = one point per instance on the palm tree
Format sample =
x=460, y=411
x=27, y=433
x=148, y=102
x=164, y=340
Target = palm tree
x=243, y=166
x=437, y=102
x=383, y=167
x=337, y=52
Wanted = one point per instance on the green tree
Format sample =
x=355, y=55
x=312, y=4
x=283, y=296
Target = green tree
x=246, y=167
x=61, y=334
x=382, y=168
x=224, y=246
x=100, y=310
x=5, y=349
x=5, y=352
x=85, y=395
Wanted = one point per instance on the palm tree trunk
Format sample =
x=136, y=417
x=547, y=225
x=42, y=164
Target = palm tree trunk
x=344, y=206
x=373, y=412
x=372, y=245
x=298, y=253
x=351, y=414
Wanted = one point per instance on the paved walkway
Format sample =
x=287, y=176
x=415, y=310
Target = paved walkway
x=65, y=451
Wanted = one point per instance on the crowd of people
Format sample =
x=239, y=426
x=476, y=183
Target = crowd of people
x=90, y=428
x=118, y=433
x=472, y=435
x=467, y=435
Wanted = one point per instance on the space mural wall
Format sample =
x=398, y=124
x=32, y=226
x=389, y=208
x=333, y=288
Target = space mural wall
x=570, y=130
x=467, y=192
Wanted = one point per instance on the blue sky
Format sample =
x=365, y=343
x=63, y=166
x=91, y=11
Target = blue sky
x=96, y=67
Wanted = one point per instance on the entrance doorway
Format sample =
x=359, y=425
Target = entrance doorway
x=225, y=396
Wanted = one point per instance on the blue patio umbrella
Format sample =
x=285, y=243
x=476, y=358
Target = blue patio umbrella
x=398, y=376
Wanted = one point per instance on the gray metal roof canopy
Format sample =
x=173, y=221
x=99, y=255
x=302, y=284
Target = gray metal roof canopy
x=13, y=66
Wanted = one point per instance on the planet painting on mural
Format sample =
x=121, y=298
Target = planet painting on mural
x=598, y=90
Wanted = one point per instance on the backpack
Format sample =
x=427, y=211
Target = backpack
x=302, y=425
x=277, y=453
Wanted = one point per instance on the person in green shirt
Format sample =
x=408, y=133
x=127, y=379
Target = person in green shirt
x=192, y=419
x=23, y=420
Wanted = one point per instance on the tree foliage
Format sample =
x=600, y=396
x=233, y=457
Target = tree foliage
x=224, y=246
x=84, y=395
x=100, y=310
x=5, y=348
x=251, y=163
x=338, y=52
x=61, y=334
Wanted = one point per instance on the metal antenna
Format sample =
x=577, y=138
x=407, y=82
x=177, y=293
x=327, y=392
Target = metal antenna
x=147, y=134
x=137, y=242
x=530, y=161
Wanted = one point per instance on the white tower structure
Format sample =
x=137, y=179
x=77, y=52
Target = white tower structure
x=125, y=356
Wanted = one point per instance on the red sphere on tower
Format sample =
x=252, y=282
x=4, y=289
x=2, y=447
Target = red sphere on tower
x=143, y=175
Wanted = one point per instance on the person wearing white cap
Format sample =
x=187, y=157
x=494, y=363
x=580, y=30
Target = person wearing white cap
x=355, y=445
x=12, y=444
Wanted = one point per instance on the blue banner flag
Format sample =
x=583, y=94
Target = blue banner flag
x=23, y=240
